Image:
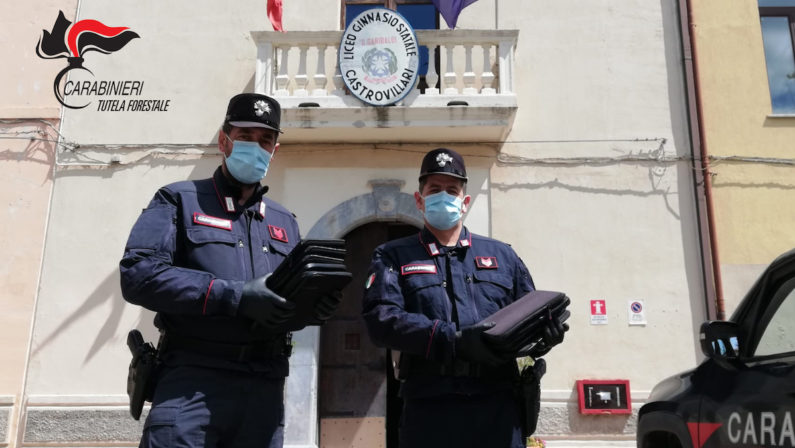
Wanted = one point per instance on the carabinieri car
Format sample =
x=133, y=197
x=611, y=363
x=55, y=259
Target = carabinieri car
x=743, y=394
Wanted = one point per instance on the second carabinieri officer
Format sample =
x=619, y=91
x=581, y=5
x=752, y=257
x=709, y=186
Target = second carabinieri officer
x=425, y=296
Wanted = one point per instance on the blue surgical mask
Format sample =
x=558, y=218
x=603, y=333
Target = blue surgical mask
x=443, y=210
x=248, y=162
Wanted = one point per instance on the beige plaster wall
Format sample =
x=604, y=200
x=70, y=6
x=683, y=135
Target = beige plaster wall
x=196, y=54
x=599, y=82
x=29, y=119
x=26, y=79
x=26, y=160
x=754, y=219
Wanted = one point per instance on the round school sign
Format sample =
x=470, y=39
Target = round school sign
x=379, y=56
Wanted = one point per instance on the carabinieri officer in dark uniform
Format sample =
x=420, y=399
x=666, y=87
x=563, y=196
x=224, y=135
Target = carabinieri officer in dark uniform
x=424, y=297
x=199, y=255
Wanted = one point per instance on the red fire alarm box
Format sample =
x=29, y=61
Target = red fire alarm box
x=604, y=396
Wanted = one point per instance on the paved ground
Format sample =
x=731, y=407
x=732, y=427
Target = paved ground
x=590, y=443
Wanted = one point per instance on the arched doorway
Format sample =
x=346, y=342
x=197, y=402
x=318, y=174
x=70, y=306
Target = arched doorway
x=358, y=404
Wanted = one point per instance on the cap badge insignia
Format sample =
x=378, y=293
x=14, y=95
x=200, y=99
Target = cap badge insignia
x=261, y=107
x=443, y=158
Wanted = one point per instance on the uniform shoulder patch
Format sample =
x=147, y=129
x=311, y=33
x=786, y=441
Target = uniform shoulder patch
x=277, y=233
x=486, y=262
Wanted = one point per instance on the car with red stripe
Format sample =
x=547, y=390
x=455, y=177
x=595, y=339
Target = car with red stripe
x=743, y=393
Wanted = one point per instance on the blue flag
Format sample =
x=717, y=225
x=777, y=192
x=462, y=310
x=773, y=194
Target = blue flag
x=450, y=9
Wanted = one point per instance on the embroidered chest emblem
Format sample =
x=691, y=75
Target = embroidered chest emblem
x=277, y=233
x=418, y=269
x=212, y=221
x=486, y=262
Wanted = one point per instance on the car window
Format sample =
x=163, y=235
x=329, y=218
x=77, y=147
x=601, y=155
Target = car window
x=779, y=335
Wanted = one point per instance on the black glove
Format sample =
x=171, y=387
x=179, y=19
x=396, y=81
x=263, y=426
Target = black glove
x=554, y=331
x=264, y=306
x=470, y=345
x=327, y=305
x=551, y=336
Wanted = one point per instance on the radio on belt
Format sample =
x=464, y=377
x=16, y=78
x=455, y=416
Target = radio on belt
x=604, y=396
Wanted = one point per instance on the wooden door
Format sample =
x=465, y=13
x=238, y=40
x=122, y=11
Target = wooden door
x=357, y=400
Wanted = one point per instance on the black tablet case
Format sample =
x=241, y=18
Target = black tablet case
x=520, y=325
x=313, y=269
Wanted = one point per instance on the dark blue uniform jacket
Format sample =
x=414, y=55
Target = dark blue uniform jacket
x=407, y=303
x=190, y=253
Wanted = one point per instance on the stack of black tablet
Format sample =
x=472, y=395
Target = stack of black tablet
x=314, y=269
x=520, y=326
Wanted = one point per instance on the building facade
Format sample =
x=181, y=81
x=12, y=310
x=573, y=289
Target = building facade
x=572, y=117
x=29, y=124
x=747, y=120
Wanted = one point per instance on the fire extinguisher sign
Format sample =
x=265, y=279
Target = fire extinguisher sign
x=598, y=312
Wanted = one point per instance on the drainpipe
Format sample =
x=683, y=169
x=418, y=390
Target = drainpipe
x=703, y=183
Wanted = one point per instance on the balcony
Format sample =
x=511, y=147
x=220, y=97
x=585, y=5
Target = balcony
x=470, y=99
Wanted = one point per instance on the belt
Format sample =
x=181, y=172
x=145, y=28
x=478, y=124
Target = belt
x=457, y=368
x=255, y=351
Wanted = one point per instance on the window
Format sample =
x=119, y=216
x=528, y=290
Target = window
x=778, y=35
x=421, y=15
x=779, y=334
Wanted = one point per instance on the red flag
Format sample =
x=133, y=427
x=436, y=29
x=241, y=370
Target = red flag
x=275, y=14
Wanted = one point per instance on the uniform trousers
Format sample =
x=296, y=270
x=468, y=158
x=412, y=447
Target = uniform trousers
x=199, y=407
x=461, y=421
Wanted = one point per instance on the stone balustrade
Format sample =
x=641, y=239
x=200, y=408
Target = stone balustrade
x=465, y=67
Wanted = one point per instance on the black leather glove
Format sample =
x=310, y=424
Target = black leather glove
x=327, y=305
x=470, y=345
x=264, y=306
x=554, y=331
x=551, y=336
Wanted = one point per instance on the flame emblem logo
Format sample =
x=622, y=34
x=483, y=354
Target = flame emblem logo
x=261, y=108
x=73, y=40
x=443, y=158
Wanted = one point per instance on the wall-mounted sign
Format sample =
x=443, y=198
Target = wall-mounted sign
x=604, y=397
x=379, y=57
x=598, y=312
x=636, y=312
